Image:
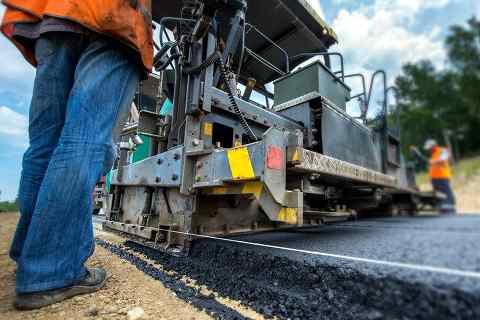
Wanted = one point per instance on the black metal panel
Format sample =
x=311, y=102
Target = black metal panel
x=345, y=139
x=253, y=113
x=288, y=22
x=146, y=95
x=302, y=113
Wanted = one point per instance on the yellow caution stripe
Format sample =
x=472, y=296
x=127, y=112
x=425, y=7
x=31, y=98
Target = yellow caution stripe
x=288, y=215
x=240, y=164
x=254, y=187
x=208, y=129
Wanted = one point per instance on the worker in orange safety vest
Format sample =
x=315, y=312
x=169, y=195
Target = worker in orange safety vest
x=441, y=174
x=89, y=56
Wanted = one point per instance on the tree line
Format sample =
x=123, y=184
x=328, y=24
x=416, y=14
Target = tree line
x=444, y=104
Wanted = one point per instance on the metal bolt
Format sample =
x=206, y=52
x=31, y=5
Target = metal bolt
x=174, y=177
x=196, y=142
x=158, y=179
x=176, y=156
x=160, y=161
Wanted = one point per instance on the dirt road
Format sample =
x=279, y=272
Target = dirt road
x=127, y=289
x=467, y=192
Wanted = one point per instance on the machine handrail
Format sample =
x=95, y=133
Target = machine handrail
x=287, y=58
x=363, y=93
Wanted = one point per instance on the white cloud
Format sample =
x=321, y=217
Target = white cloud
x=13, y=127
x=380, y=36
x=409, y=7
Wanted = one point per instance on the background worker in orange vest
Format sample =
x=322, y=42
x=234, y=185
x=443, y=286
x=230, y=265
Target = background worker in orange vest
x=441, y=174
x=89, y=56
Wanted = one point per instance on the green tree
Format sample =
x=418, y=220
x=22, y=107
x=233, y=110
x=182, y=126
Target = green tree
x=434, y=102
x=463, y=45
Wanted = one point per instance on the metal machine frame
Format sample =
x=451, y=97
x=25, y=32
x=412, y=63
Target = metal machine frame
x=223, y=164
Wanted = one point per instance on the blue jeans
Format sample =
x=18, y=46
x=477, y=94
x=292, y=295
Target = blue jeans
x=447, y=205
x=83, y=86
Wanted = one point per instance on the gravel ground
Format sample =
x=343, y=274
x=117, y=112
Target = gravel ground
x=127, y=289
x=467, y=191
x=229, y=281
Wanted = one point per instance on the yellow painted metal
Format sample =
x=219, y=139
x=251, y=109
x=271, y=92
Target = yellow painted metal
x=240, y=164
x=254, y=187
x=208, y=129
x=296, y=156
x=219, y=190
x=288, y=215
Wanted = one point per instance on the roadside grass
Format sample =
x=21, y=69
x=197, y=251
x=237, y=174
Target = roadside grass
x=464, y=170
x=6, y=206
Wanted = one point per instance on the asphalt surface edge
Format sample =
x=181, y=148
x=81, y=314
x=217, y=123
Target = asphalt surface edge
x=280, y=287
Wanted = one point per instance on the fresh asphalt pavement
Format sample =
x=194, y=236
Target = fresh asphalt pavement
x=450, y=242
x=294, y=285
x=439, y=241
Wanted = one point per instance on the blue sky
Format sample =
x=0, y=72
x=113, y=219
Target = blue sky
x=373, y=34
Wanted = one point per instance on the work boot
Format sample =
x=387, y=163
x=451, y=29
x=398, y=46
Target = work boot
x=93, y=281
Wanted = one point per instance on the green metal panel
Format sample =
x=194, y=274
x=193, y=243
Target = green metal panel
x=314, y=78
x=167, y=108
x=108, y=180
x=143, y=150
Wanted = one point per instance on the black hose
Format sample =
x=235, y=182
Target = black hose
x=170, y=59
x=172, y=135
x=204, y=65
x=217, y=56
x=162, y=51
x=233, y=102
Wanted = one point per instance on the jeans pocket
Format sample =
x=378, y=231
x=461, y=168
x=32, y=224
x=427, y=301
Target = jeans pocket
x=44, y=48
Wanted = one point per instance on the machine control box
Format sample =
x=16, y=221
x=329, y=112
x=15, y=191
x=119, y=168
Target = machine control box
x=314, y=78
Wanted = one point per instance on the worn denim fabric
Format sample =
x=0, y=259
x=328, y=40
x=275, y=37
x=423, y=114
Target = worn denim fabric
x=443, y=186
x=83, y=85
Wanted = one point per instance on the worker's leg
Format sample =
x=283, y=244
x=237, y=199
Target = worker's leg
x=450, y=203
x=56, y=56
x=60, y=237
x=447, y=205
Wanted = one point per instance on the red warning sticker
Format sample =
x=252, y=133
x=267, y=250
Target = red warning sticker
x=275, y=158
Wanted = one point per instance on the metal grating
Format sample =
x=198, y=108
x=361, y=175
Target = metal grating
x=309, y=161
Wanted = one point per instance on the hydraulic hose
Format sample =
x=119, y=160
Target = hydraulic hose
x=163, y=50
x=169, y=61
x=217, y=57
x=204, y=65
x=233, y=102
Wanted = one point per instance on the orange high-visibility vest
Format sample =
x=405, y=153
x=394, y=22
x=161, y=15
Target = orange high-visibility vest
x=129, y=21
x=440, y=170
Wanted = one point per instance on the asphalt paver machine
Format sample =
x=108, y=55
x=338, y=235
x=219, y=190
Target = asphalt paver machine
x=258, y=136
